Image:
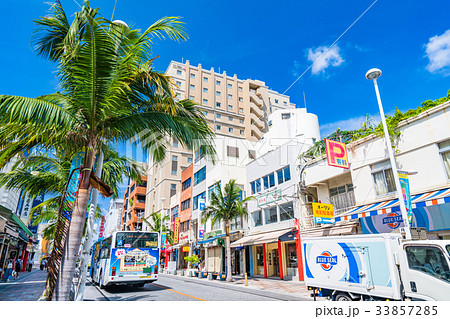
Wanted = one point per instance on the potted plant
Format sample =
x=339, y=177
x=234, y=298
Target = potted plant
x=193, y=262
x=214, y=275
x=223, y=276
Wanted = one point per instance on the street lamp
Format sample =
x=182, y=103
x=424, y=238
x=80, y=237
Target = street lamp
x=373, y=74
x=163, y=199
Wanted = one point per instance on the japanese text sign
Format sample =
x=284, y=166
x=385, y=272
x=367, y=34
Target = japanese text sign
x=176, y=230
x=336, y=153
x=323, y=213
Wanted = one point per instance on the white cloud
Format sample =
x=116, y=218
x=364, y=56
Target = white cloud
x=331, y=57
x=438, y=51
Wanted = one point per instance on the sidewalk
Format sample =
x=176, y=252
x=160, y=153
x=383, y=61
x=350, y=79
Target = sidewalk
x=28, y=287
x=287, y=288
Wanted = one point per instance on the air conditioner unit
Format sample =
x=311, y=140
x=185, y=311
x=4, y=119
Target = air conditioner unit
x=308, y=199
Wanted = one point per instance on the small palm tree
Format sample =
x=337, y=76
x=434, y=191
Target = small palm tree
x=154, y=224
x=224, y=207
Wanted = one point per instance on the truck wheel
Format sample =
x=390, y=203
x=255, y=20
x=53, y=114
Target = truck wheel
x=342, y=296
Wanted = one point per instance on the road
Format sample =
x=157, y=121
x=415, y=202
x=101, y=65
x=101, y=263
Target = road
x=170, y=288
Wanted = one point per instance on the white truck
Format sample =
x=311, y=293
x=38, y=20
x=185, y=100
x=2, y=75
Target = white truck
x=377, y=267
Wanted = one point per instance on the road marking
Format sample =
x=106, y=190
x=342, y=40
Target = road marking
x=177, y=292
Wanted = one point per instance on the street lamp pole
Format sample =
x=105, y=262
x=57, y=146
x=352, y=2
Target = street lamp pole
x=373, y=74
x=163, y=199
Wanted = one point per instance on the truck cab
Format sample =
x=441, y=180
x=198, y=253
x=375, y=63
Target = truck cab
x=425, y=270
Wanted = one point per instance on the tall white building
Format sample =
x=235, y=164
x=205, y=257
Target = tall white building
x=113, y=216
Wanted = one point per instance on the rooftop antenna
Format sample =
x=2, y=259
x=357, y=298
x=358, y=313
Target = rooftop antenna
x=304, y=99
x=182, y=60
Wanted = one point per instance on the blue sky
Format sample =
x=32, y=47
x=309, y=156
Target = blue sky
x=408, y=40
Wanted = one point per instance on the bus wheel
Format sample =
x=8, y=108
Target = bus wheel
x=342, y=296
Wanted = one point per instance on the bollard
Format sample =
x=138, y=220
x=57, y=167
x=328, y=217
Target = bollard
x=246, y=280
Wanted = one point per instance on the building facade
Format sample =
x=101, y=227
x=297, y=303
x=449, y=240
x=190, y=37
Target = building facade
x=134, y=205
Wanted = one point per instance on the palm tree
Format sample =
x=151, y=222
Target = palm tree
x=224, y=207
x=39, y=172
x=108, y=92
x=154, y=224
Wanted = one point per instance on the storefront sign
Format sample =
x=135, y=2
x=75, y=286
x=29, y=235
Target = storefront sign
x=102, y=227
x=201, y=204
x=404, y=183
x=336, y=154
x=269, y=197
x=176, y=230
x=185, y=249
x=323, y=213
x=201, y=232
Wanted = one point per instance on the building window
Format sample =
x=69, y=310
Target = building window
x=276, y=101
x=230, y=96
x=173, y=189
x=230, y=86
x=241, y=99
x=191, y=97
x=230, y=118
x=284, y=175
x=218, y=104
x=218, y=127
x=216, y=225
x=252, y=154
x=444, y=150
x=189, y=160
x=241, y=121
x=285, y=116
x=204, y=112
x=255, y=186
x=192, y=76
x=218, y=83
x=257, y=218
x=196, y=203
x=200, y=176
x=383, y=178
x=214, y=188
x=217, y=93
x=271, y=215
x=205, y=90
x=175, y=143
x=178, y=72
x=230, y=130
x=269, y=181
x=284, y=103
x=241, y=132
x=241, y=110
x=186, y=204
x=205, y=101
x=140, y=198
x=240, y=89
x=218, y=115
x=230, y=107
x=286, y=211
x=232, y=151
x=174, y=165
x=192, y=86
x=186, y=184
x=205, y=79
x=178, y=83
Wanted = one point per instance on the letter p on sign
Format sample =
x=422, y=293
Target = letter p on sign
x=336, y=154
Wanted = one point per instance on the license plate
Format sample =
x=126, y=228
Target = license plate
x=145, y=276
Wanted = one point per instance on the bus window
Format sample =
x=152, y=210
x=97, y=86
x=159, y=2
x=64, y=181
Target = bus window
x=136, y=240
x=96, y=252
x=106, y=248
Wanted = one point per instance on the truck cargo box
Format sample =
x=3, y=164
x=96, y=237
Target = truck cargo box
x=359, y=264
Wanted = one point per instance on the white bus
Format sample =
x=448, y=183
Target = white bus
x=125, y=258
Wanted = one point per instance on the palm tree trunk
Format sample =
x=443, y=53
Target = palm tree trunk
x=228, y=249
x=73, y=242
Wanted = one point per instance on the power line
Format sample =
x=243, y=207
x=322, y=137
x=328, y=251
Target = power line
x=331, y=45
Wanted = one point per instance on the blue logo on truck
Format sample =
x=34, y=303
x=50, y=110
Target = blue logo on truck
x=326, y=260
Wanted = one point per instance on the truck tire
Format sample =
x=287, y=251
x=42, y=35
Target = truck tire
x=342, y=296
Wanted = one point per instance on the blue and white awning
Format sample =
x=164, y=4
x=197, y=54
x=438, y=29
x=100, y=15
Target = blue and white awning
x=421, y=200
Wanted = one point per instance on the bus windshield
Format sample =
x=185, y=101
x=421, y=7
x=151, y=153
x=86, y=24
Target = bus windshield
x=136, y=240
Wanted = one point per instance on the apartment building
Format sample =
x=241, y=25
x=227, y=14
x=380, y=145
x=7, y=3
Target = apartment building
x=134, y=205
x=233, y=107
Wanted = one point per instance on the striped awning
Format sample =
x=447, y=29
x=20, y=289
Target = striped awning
x=420, y=200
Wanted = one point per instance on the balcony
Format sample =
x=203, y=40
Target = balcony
x=257, y=121
x=255, y=99
x=257, y=111
x=256, y=133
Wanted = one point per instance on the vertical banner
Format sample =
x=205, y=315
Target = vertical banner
x=37, y=201
x=163, y=241
x=176, y=230
x=404, y=183
x=102, y=227
x=336, y=154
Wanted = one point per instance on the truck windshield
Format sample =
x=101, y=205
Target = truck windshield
x=430, y=260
